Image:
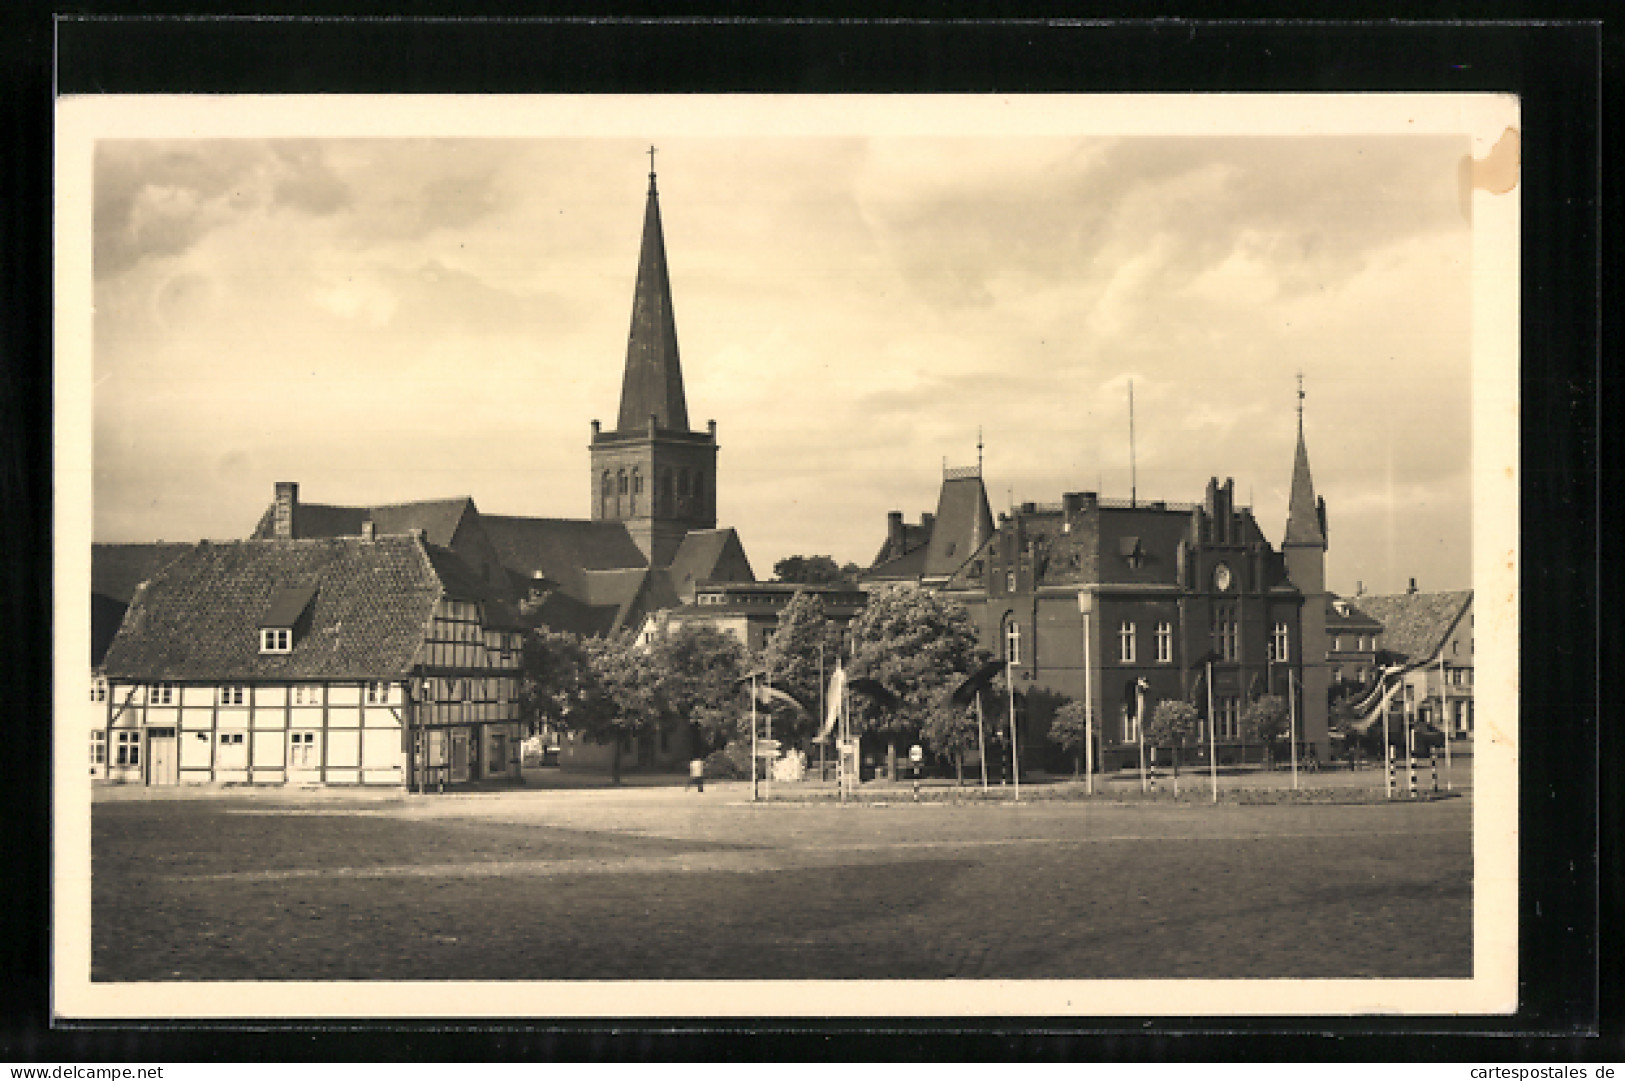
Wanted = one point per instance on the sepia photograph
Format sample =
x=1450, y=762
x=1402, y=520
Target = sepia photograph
x=786, y=556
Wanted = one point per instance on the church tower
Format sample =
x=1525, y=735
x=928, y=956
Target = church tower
x=652, y=472
x=1304, y=550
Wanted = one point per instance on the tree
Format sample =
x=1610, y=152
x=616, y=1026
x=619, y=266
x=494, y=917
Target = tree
x=554, y=677
x=1173, y=723
x=802, y=651
x=1266, y=720
x=949, y=730
x=808, y=570
x=913, y=642
x=1070, y=729
x=622, y=696
x=696, y=671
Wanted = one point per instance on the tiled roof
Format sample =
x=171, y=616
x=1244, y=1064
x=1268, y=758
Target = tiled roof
x=963, y=523
x=909, y=567
x=1355, y=619
x=709, y=555
x=116, y=569
x=196, y=619
x=914, y=536
x=562, y=549
x=461, y=583
x=437, y=518
x=1416, y=624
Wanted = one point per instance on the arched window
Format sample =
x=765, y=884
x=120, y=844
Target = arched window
x=665, y=490
x=1012, y=642
x=637, y=490
x=620, y=482
x=699, y=491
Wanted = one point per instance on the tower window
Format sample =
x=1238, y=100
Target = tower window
x=1012, y=643
x=1279, y=648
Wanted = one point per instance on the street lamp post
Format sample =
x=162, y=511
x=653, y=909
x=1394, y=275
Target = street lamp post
x=1212, y=745
x=1292, y=720
x=1085, y=604
x=1015, y=754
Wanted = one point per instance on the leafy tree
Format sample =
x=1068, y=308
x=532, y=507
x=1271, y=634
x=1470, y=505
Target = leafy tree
x=622, y=696
x=696, y=670
x=1173, y=724
x=808, y=570
x=1265, y=720
x=949, y=730
x=803, y=649
x=555, y=678
x=913, y=642
x=1070, y=729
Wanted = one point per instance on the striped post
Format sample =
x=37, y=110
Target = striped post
x=1433, y=763
x=1389, y=751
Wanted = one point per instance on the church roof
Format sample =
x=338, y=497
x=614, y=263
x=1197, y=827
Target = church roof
x=653, y=383
x=708, y=555
x=197, y=618
x=1304, y=522
x=562, y=549
x=1416, y=625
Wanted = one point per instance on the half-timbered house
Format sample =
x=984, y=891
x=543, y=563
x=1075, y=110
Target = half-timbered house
x=372, y=660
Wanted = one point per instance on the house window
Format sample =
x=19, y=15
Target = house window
x=276, y=640
x=129, y=749
x=1125, y=642
x=98, y=689
x=1223, y=633
x=1010, y=582
x=1280, y=650
x=232, y=695
x=161, y=694
x=229, y=738
x=1012, y=643
x=1337, y=644
x=378, y=693
x=98, y=748
x=1165, y=643
x=307, y=696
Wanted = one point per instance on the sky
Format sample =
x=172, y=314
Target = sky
x=390, y=319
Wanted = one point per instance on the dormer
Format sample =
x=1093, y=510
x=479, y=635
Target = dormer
x=284, y=618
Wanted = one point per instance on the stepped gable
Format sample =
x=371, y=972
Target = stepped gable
x=198, y=618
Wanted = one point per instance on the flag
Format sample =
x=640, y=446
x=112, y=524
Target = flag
x=837, y=687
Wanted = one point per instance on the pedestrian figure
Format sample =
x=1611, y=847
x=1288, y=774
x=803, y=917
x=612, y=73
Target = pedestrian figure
x=696, y=774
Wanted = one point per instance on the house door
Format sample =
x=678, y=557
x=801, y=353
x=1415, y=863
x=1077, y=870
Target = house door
x=163, y=758
x=459, y=754
x=304, y=757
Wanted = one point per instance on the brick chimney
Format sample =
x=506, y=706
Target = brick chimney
x=286, y=507
x=894, y=533
x=1412, y=587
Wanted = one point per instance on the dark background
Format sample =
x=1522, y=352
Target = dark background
x=1556, y=68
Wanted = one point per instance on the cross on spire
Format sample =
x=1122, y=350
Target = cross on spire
x=1300, y=399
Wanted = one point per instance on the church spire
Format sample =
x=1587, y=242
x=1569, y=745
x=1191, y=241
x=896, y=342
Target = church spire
x=653, y=383
x=1306, y=515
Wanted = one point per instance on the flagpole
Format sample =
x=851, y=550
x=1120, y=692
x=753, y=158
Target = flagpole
x=1088, y=715
x=1139, y=732
x=753, y=737
x=1292, y=716
x=1444, y=720
x=981, y=743
x=1212, y=749
x=823, y=774
x=1015, y=759
x=767, y=779
x=1387, y=747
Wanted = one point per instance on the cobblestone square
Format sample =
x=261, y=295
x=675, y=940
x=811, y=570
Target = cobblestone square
x=659, y=883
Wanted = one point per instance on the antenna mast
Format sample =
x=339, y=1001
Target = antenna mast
x=1133, y=474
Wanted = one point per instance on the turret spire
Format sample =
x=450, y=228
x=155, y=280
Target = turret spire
x=653, y=383
x=1306, y=515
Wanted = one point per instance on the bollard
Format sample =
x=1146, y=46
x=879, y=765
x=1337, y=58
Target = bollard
x=916, y=790
x=1410, y=763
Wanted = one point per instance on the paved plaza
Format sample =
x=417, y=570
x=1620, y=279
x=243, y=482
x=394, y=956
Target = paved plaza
x=657, y=882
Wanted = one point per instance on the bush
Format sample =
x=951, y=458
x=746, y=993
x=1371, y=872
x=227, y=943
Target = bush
x=727, y=763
